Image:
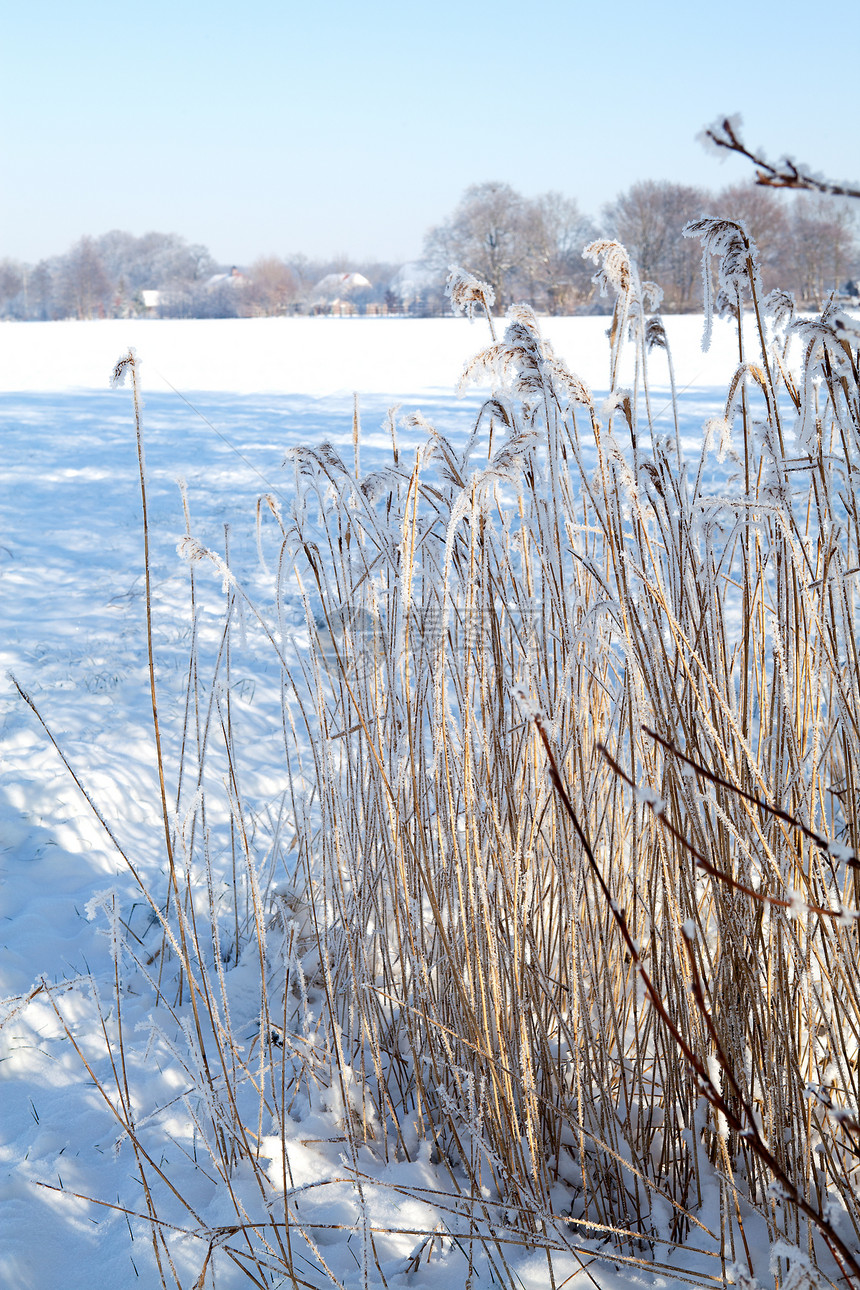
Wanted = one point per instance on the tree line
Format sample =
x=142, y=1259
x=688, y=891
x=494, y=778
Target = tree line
x=114, y=276
x=532, y=249
x=525, y=248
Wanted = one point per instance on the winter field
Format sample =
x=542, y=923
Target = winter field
x=293, y=1132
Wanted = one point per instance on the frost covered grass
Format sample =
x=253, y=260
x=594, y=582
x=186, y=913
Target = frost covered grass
x=598, y=1052
x=544, y=964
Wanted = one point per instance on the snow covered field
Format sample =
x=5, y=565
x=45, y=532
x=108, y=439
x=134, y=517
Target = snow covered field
x=224, y=400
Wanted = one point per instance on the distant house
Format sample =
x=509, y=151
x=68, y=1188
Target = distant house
x=235, y=278
x=337, y=294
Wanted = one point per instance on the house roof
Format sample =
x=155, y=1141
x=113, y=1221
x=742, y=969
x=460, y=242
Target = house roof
x=334, y=286
x=235, y=277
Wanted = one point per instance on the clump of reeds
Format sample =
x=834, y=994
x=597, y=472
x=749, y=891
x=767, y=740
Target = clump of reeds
x=475, y=974
x=544, y=919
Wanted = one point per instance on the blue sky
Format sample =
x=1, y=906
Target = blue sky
x=324, y=127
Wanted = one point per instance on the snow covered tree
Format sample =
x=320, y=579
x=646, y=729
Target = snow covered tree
x=155, y=260
x=485, y=234
x=526, y=249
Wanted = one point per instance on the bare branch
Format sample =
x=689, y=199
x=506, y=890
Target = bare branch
x=786, y=174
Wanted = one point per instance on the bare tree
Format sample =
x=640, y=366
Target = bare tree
x=554, y=231
x=84, y=286
x=272, y=287
x=648, y=219
x=41, y=291
x=12, y=280
x=821, y=247
x=765, y=218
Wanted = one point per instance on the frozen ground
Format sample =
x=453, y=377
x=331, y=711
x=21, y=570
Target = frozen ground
x=224, y=400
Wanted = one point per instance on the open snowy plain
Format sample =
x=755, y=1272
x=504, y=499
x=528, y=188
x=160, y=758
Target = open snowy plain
x=224, y=401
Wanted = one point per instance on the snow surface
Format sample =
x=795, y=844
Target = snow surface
x=318, y=356
x=224, y=400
